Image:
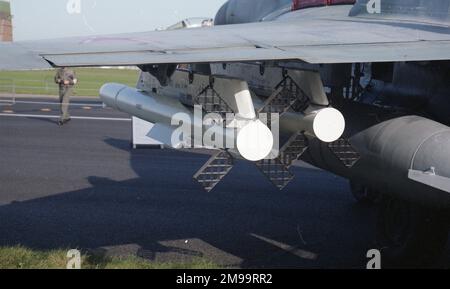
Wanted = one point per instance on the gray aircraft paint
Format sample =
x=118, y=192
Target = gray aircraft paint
x=437, y=11
x=246, y=11
x=314, y=35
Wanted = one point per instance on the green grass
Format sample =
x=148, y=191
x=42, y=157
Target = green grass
x=23, y=258
x=41, y=82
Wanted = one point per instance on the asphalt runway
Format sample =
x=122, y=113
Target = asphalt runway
x=82, y=186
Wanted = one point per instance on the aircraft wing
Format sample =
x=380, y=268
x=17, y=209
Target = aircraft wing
x=317, y=35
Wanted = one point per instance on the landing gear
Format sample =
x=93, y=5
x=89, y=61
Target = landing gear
x=364, y=194
x=409, y=235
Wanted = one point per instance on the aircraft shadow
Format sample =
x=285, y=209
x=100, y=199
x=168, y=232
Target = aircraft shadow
x=163, y=215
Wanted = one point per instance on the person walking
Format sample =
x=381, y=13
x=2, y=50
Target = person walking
x=66, y=79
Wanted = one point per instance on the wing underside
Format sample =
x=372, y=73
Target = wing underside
x=318, y=35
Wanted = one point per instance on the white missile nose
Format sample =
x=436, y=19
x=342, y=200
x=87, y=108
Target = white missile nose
x=255, y=141
x=329, y=125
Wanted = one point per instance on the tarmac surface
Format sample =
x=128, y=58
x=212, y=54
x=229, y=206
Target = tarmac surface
x=82, y=186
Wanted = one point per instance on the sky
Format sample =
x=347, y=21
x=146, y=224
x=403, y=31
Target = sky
x=44, y=19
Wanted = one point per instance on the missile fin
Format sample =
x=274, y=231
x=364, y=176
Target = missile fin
x=345, y=152
x=287, y=95
x=212, y=102
x=276, y=172
x=214, y=170
x=293, y=149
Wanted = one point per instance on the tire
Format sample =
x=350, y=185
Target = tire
x=363, y=194
x=410, y=236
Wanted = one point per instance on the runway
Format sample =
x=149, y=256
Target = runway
x=82, y=186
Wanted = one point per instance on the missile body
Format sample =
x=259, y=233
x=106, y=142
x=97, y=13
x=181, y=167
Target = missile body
x=249, y=138
x=165, y=111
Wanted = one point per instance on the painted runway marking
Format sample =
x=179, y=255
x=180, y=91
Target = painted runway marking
x=52, y=103
x=290, y=249
x=57, y=116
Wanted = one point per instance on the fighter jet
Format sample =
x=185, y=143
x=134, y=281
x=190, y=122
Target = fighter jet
x=360, y=89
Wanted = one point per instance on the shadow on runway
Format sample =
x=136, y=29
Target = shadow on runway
x=163, y=215
x=47, y=120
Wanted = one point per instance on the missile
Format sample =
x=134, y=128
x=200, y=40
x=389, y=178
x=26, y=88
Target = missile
x=324, y=123
x=165, y=112
x=248, y=138
x=252, y=138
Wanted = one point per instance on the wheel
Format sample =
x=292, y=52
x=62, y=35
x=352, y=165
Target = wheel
x=409, y=235
x=363, y=194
